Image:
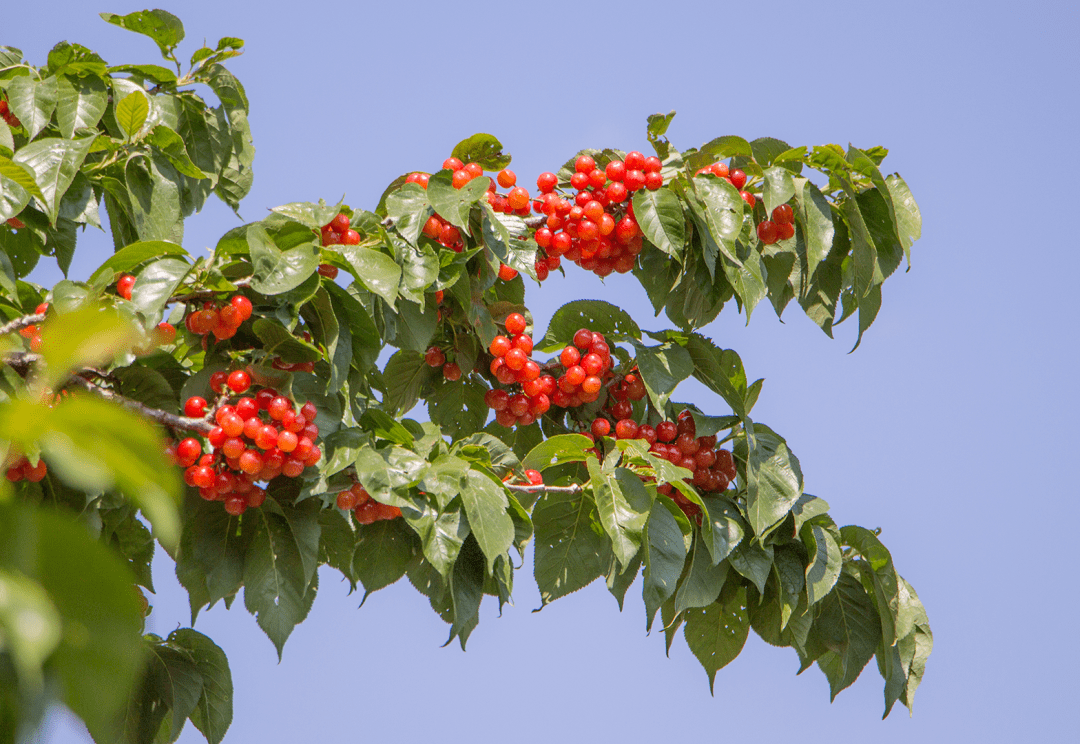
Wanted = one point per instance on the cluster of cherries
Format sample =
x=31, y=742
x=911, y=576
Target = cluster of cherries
x=222, y=321
x=435, y=357
x=677, y=442
x=256, y=439
x=365, y=509
x=7, y=116
x=21, y=470
x=780, y=227
x=595, y=230
x=513, y=365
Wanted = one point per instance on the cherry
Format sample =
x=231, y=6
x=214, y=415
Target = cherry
x=452, y=163
x=239, y=381
x=783, y=215
x=451, y=371
x=327, y=270
x=570, y=355
x=475, y=170
x=461, y=177
x=506, y=178
x=617, y=192
x=635, y=180
x=583, y=338
x=547, y=182
x=124, y=285
x=785, y=231
x=622, y=410
x=195, y=407
x=499, y=346
x=188, y=451
x=652, y=164
x=309, y=411
x=535, y=477
x=435, y=357
x=584, y=164
x=340, y=223
x=506, y=273
x=653, y=181
x=600, y=427
x=748, y=198
x=767, y=232
x=166, y=333
x=738, y=178
x=242, y=305
x=515, y=359
x=626, y=428
x=616, y=170
x=634, y=161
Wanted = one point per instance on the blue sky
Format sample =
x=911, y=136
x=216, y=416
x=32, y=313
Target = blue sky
x=952, y=427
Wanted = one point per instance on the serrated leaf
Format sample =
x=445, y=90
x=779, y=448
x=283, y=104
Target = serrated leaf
x=155, y=284
x=623, y=504
x=277, y=271
x=716, y=634
x=595, y=315
x=753, y=561
x=569, y=544
x=279, y=342
x=660, y=216
x=81, y=102
x=482, y=149
x=378, y=272
x=453, y=204
x=556, y=450
x=728, y=530
x=486, y=507
x=53, y=163
x=825, y=562
x=848, y=626
x=132, y=112
x=703, y=582
x=384, y=551
x=164, y=28
x=213, y=711
x=32, y=101
x=662, y=368
x=664, y=556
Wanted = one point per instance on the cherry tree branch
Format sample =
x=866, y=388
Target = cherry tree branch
x=171, y=420
x=541, y=488
x=19, y=323
x=206, y=293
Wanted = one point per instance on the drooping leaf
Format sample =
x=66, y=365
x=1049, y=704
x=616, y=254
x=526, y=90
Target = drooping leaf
x=660, y=216
x=569, y=544
x=213, y=711
x=164, y=28
x=32, y=101
x=81, y=102
x=717, y=633
x=594, y=315
x=664, y=556
x=848, y=626
x=54, y=163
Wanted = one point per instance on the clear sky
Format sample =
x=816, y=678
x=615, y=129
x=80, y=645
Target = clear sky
x=953, y=427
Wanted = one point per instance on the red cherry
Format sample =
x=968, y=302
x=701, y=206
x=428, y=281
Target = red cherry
x=515, y=359
x=452, y=163
x=242, y=305
x=584, y=164
x=748, y=198
x=435, y=357
x=785, y=231
x=635, y=179
x=738, y=178
x=327, y=270
x=506, y=178
x=653, y=181
x=278, y=407
x=506, y=273
x=616, y=170
x=626, y=429
x=451, y=371
x=239, y=381
x=500, y=345
x=652, y=164
x=309, y=411
x=783, y=215
x=583, y=338
x=515, y=324
x=188, y=451
x=124, y=285
x=767, y=232
x=570, y=356
x=600, y=427
x=547, y=182
x=195, y=407
x=166, y=333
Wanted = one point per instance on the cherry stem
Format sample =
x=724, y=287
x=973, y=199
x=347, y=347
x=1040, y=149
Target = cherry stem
x=541, y=488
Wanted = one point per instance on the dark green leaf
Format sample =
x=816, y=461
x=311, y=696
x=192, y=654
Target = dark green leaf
x=164, y=28
x=825, y=562
x=172, y=147
x=277, y=271
x=753, y=561
x=408, y=207
x=453, y=204
x=213, y=712
x=662, y=368
x=378, y=272
x=773, y=480
x=147, y=386
x=849, y=627
x=279, y=342
x=557, y=449
x=486, y=507
x=177, y=683
x=153, y=192
x=728, y=527
x=458, y=407
x=703, y=582
x=483, y=149
x=156, y=283
x=779, y=187
x=664, y=555
x=569, y=544
x=384, y=552
x=717, y=633
x=659, y=214
x=595, y=315
x=623, y=503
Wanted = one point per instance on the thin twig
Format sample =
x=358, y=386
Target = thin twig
x=541, y=488
x=162, y=417
x=19, y=323
x=207, y=293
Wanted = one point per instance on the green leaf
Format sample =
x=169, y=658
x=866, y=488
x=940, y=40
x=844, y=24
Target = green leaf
x=80, y=203
x=569, y=544
x=442, y=533
x=557, y=450
x=623, y=503
x=405, y=374
x=80, y=102
x=728, y=530
x=378, y=272
x=815, y=215
x=416, y=326
x=883, y=582
x=767, y=149
x=153, y=192
x=211, y=556
x=657, y=124
x=848, y=626
x=100, y=653
x=32, y=101
x=595, y=315
x=500, y=236
x=147, y=386
x=13, y=197
x=21, y=176
x=753, y=561
x=164, y=28
x=54, y=163
x=483, y=149
x=279, y=342
x=177, y=684
x=156, y=283
x=664, y=555
x=703, y=582
x=453, y=204
x=825, y=562
x=779, y=187
x=721, y=370
x=719, y=149
x=466, y=592
x=275, y=586
x=129, y=257
x=29, y=624
x=172, y=147
x=908, y=217
x=486, y=507
x=131, y=113
x=806, y=508
x=458, y=407
x=213, y=711
x=384, y=552
x=277, y=271
x=86, y=337
x=723, y=211
x=916, y=646
x=660, y=216
x=773, y=480
x=717, y=633
x=662, y=368
x=409, y=209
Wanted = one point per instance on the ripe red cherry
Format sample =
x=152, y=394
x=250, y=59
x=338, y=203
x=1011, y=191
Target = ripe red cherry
x=785, y=231
x=195, y=407
x=652, y=164
x=584, y=164
x=783, y=215
x=748, y=198
x=518, y=197
x=626, y=429
x=515, y=359
x=635, y=179
x=515, y=323
x=634, y=161
x=242, y=305
x=217, y=381
x=547, y=182
x=617, y=192
x=653, y=181
x=448, y=234
x=600, y=427
x=767, y=232
x=239, y=381
x=340, y=223
x=623, y=409
x=327, y=270
x=475, y=170
x=499, y=346
x=570, y=356
x=506, y=178
x=615, y=170
x=583, y=338
x=166, y=333
x=506, y=273
x=434, y=357
x=666, y=431
x=738, y=178
x=452, y=163
x=124, y=285
x=188, y=451
x=451, y=372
